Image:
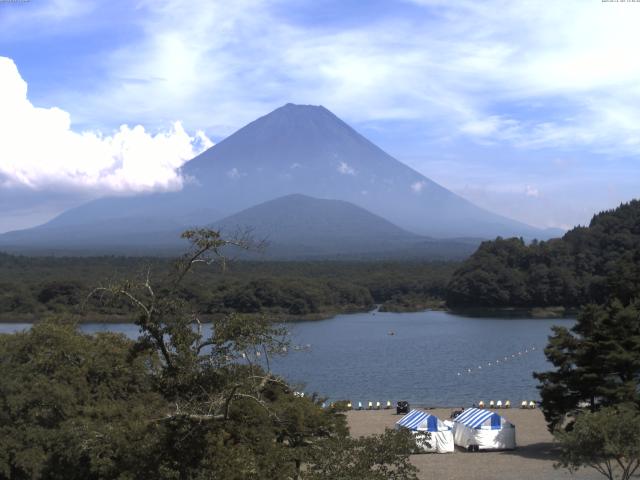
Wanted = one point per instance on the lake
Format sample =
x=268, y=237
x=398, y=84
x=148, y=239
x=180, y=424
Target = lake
x=432, y=358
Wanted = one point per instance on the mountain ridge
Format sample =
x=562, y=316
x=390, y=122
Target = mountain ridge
x=295, y=227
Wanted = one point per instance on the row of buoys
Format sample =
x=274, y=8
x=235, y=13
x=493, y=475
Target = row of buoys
x=506, y=358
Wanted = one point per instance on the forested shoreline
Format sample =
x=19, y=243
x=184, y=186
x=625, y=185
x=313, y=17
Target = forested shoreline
x=588, y=265
x=34, y=288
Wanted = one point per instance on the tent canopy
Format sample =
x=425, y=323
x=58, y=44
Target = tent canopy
x=423, y=421
x=477, y=418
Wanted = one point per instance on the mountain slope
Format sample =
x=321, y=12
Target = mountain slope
x=294, y=149
x=307, y=149
x=305, y=220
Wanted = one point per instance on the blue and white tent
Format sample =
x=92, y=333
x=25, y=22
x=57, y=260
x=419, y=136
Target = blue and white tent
x=420, y=422
x=484, y=430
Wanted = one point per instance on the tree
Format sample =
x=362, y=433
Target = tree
x=75, y=406
x=377, y=457
x=607, y=440
x=227, y=415
x=596, y=362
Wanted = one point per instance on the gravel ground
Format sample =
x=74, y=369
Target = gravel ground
x=533, y=458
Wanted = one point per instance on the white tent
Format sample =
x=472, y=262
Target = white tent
x=480, y=429
x=419, y=423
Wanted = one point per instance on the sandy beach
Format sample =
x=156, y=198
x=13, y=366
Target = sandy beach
x=533, y=459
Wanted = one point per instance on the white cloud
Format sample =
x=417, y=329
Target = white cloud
x=234, y=173
x=211, y=69
x=345, y=169
x=418, y=186
x=38, y=148
x=45, y=15
x=234, y=61
x=531, y=191
x=543, y=75
x=537, y=74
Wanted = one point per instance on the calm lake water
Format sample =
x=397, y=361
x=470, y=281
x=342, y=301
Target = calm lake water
x=433, y=358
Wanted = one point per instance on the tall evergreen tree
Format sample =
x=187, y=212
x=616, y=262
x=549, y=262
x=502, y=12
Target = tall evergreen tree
x=596, y=362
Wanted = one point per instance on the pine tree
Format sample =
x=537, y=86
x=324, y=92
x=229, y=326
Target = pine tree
x=597, y=362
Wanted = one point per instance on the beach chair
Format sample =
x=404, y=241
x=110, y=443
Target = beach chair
x=377, y=405
x=499, y=404
x=507, y=404
x=532, y=404
x=388, y=407
x=480, y=404
x=523, y=404
x=492, y=404
x=349, y=405
x=359, y=405
x=370, y=406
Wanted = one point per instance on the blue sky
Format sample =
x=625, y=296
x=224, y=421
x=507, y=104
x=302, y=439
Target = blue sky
x=529, y=109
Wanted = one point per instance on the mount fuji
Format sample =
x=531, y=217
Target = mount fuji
x=296, y=149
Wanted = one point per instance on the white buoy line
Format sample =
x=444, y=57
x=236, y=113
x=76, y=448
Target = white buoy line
x=498, y=362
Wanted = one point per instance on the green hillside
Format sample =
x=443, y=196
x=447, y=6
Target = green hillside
x=588, y=264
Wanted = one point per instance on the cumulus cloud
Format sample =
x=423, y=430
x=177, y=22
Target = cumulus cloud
x=345, y=169
x=39, y=148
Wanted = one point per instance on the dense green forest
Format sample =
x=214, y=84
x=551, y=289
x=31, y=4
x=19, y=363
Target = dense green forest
x=32, y=288
x=587, y=265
